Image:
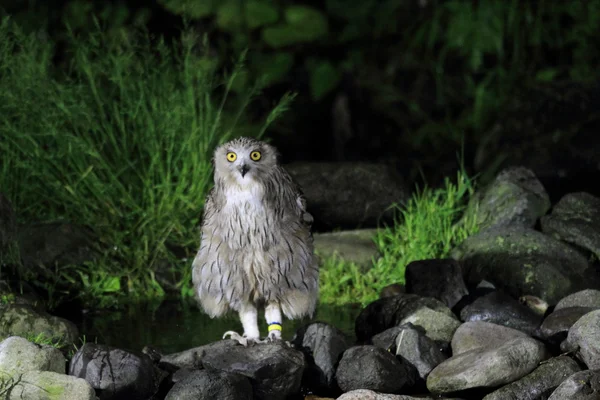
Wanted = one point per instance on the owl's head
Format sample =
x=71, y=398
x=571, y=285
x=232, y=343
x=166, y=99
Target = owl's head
x=245, y=160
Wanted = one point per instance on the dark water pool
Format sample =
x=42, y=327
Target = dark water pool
x=177, y=326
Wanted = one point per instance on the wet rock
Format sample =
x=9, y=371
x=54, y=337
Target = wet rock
x=323, y=345
x=583, y=298
x=432, y=315
x=583, y=385
x=46, y=385
x=347, y=194
x=438, y=278
x=487, y=368
x=576, y=219
x=523, y=261
x=516, y=197
x=369, y=367
x=192, y=358
x=392, y=290
x=211, y=385
x=22, y=320
x=274, y=369
x=8, y=222
x=501, y=309
x=540, y=383
x=584, y=337
x=356, y=246
x=365, y=394
x=556, y=325
x=18, y=355
x=115, y=373
x=482, y=335
x=387, y=339
x=418, y=351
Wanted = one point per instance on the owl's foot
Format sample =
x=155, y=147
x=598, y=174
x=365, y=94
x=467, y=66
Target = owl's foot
x=243, y=340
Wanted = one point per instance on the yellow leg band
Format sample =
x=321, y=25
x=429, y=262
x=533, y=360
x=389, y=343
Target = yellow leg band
x=274, y=327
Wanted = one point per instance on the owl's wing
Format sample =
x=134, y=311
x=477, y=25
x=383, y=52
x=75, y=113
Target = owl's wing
x=306, y=217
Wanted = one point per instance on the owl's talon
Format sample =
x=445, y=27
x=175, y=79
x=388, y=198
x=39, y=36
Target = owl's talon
x=243, y=340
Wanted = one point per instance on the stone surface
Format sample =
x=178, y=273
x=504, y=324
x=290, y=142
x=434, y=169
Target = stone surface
x=515, y=197
x=538, y=384
x=115, y=373
x=438, y=278
x=392, y=290
x=18, y=355
x=274, y=369
x=429, y=313
x=481, y=334
x=47, y=385
x=22, y=320
x=576, y=219
x=583, y=385
x=349, y=194
x=323, y=345
x=583, y=298
x=501, y=309
x=584, y=337
x=370, y=367
x=356, y=246
x=365, y=394
x=556, y=325
x=211, y=385
x=523, y=261
x=417, y=350
x=192, y=358
x=387, y=339
x=487, y=368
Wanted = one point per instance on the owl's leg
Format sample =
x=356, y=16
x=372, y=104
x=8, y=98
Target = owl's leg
x=249, y=318
x=273, y=317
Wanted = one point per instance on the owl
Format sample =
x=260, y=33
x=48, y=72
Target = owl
x=256, y=246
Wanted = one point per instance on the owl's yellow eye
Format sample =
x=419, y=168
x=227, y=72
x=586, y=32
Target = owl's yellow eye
x=255, y=155
x=231, y=156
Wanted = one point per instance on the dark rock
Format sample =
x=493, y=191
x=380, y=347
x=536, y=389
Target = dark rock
x=583, y=385
x=211, y=385
x=540, y=383
x=499, y=308
x=430, y=314
x=366, y=394
x=439, y=278
x=516, y=197
x=392, y=290
x=274, y=369
x=192, y=358
x=387, y=339
x=576, y=219
x=487, y=368
x=369, y=367
x=418, y=351
x=556, y=325
x=583, y=298
x=348, y=194
x=584, y=337
x=355, y=246
x=323, y=345
x=8, y=222
x=482, y=335
x=115, y=373
x=523, y=261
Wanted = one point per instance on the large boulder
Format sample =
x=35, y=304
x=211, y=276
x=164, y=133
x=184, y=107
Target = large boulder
x=23, y=320
x=584, y=337
x=355, y=246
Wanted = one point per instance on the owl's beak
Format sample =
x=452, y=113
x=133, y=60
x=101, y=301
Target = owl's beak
x=244, y=170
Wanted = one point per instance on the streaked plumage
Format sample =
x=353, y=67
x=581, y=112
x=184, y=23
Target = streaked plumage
x=256, y=246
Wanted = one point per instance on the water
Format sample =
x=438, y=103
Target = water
x=176, y=326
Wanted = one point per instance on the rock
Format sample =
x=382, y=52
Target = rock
x=115, y=373
x=523, y=261
x=323, y=345
x=482, y=335
x=535, y=304
x=369, y=367
x=274, y=369
x=516, y=197
x=501, y=309
x=387, y=339
x=538, y=384
x=487, y=368
x=365, y=394
x=392, y=290
x=556, y=325
x=584, y=337
x=418, y=350
x=22, y=320
x=211, y=385
x=356, y=246
x=431, y=314
x=349, y=194
x=192, y=358
x=576, y=219
x=583, y=298
x=439, y=278
x=48, y=385
x=583, y=385
x=8, y=222
x=18, y=355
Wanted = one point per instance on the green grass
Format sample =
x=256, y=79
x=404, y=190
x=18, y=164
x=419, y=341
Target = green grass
x=430, y=226
x=118, y=137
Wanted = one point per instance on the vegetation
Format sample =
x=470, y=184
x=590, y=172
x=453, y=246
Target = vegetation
x=430, y=226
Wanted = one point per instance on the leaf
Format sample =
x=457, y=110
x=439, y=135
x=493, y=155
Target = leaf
x=190, y=8
x=112, y=284
x=232, y=15
x=546, y=75
x=273, y=67
x=302, y=24
x=324, y=77
x=260, y=13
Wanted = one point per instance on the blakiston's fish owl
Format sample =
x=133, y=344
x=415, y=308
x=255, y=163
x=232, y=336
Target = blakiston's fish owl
x=256, y=247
